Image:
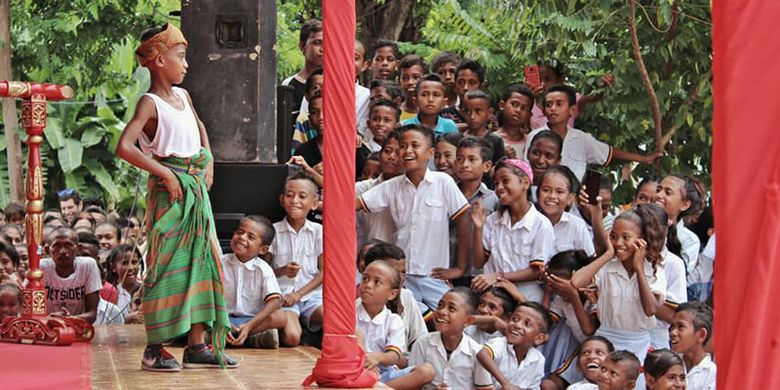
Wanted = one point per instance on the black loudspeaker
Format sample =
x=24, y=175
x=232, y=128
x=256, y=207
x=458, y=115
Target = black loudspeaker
x=232, y=75
x=243, y=189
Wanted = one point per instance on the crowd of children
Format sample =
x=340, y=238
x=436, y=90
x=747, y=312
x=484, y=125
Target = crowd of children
x=483, y=260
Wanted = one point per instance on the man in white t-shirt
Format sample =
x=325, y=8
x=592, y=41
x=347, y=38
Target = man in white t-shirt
x=72, y=282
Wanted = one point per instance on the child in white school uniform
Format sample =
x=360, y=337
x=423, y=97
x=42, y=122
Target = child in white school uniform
x=449, y=350
x=297, y=258
x=592, y=353
x=516, y=241
x=421, y=202
x=557, y=191
x=664, y=370
x=382, y=329
x=630, y=283
x=495, y=307
x=689, y=332
x=251, y=291
x=514, y=360
x=680, y=197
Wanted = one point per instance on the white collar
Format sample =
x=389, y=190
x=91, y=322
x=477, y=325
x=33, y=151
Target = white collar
x=378, y=319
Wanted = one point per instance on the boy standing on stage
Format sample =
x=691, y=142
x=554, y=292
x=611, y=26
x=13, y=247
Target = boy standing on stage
x=183, y=287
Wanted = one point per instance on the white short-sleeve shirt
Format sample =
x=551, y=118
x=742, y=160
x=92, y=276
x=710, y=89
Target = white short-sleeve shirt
x=583, y=385
x=248, y=285
x=526, y=374
x=516, y=247
x=384, y=332
x=303, y=247
x=70, y=292
x=481, y=336
x=413, y=322
x=565, y=312
x=461, y=371
x=579, y=150
x=421, y=215
x=373, y=225
x=690, y=246
x=676, y=286
x=702, y=376
x=620, y=306
x=572, y=233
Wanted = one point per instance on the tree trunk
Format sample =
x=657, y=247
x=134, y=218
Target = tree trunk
x=384, y=20
x=14, y=145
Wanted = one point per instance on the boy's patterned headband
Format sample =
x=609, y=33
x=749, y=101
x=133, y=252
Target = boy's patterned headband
x=521, y=165
x=159, y=44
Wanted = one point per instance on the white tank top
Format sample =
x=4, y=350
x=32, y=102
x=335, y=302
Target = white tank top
x=177, y=131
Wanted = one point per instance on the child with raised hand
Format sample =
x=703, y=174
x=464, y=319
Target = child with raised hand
x=690, y=330
x=493, y=312
x=382, y=119
x=477, y=108
x=664, y=370
x=579, y=147
x=620, y=371
x=473, y=161
x=444, y=154
x=516, y=113
x=252, y=293
x=592, y=353
x=630, y=284
x=380, y=225
x=384, y=59
x=382, y=329
x=409, y=310
x=516, y=241
x=430, y=99
x=514, y=361
x=297, y=258
x=451, y=352
x=680, y=197
x=411, y=69
x=181, y=167
x=556, y=193
x=444, y=65
x=575, y=318
x=72, y=282
x=10, y=300
x=123, y=266
x=422, y=201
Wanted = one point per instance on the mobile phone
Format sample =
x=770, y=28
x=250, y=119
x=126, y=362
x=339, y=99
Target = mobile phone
x=532, y=77
x=592, y=183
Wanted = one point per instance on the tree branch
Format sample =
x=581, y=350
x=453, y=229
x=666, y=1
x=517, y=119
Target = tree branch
x=640, y=64
x=693, y=97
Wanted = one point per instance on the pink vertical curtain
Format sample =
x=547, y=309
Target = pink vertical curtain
x=746, y=192
x=341, y=361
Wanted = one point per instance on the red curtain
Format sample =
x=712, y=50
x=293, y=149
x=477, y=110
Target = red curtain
x=341, y=361
x=746, y=73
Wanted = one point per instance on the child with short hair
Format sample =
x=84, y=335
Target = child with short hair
x=183, y=246
x=690, y=330
x=516, y=241
x=630, y=284
x=556, y=193
x=444, y=65
x=379, y=225
x=310, y=44
x=411, y=69
x=468, y=75
x=452, y=353
x=414, y=323
x=664, y=370
x=12, y=233
x=387, y=90
x=493, y=312
x=477, y=107
x=445, y=153
x=384, y=59
x=620, y=371
x=421, y=201
x=382, y=329
x=383, y=118
x=297, y=258
x=14, y=214
x=592, y=353
x=72, y=282
x=371, y=169
x=303, y=130
x=579, y=147
x=430, y=99
x=514, y=360
x=10, y=300
x=516, y=113
x=252, y=293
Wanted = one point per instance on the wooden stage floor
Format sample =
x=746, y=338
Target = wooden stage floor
x=116, y=364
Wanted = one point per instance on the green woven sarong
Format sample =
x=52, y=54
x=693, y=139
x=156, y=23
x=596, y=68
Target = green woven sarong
x=184, y=283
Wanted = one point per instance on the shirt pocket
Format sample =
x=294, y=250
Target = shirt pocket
x=522, y=248
x=434, y=210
